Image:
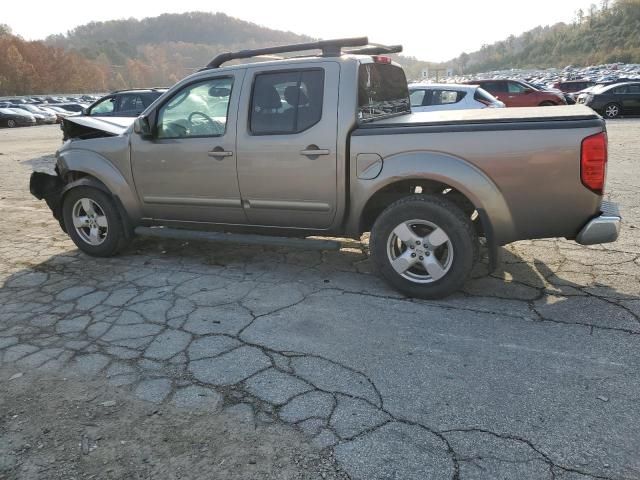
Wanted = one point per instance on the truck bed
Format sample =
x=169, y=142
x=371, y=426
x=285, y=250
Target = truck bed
x=488, y=116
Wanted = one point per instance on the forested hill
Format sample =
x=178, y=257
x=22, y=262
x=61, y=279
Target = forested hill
x=161, y=50
x=605, y=34
x=199, y=34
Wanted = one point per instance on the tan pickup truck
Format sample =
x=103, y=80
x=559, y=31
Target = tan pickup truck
x=326, y=145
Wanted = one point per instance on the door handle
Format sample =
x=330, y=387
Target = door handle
x=218, y=152
x=314, y=151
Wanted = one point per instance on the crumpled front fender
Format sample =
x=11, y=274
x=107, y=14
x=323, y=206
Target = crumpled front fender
x=50, y=188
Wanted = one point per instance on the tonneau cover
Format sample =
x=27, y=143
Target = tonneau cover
x=487, y=116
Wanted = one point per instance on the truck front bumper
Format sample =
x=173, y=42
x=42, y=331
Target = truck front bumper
x=604, y=228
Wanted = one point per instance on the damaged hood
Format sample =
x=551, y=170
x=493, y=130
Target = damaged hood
x=82, y=127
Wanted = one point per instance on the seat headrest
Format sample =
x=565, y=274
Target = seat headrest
x=266, y=97
x=295, y=96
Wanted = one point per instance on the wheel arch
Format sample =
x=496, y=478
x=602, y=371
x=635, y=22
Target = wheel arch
x=86, y=168
x=434, y=172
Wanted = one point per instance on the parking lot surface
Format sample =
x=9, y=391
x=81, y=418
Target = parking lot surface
x=311, y=364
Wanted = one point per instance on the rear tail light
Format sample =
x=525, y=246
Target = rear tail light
x=381, y=59
x=593, y=162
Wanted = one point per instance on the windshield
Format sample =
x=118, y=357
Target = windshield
x=382, y=91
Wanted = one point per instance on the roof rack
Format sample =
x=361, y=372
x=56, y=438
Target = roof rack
x=140, y=89
x=375, y=49
x=330, y=48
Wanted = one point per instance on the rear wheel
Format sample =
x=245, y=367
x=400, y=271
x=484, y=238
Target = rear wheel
x=612, y=110
x=91, y=219
x=547, y=103
x=11, y=123
x=424, y=246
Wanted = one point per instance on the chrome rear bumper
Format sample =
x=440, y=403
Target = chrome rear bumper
x=604, y=228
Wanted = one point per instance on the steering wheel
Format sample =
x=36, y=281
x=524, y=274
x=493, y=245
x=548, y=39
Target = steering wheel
x=216, y=126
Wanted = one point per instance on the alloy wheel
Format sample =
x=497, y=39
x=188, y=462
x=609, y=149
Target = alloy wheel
x=90, y=221
x=420, y=251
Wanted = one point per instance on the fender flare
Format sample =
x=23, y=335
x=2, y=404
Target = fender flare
x=98, y=185
x=447, y=169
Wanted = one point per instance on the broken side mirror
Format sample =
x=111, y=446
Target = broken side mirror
x=142, y=127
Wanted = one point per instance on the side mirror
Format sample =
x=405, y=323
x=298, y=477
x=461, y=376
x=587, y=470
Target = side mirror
x=141, y=127
x=85, y=111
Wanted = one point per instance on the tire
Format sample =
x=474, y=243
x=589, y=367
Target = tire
x=11, y=123
x=416, y=267
x=611, y=110
x=99, y=232
x=547, y=103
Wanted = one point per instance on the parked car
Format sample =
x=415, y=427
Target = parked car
x=60, y=112
x=516, y=93
x=15, y=118
x=42, y=116
x=572, y=86
x=327, y=145
x=427, y=97
x=72, y=107
x=614, y=100
x=124, y=103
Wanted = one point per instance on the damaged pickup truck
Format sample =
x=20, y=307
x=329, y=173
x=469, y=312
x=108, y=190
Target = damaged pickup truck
x=326, y=145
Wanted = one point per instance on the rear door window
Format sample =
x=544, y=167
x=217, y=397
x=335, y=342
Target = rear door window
x=483, y=96
x=382, y=91
x=286, y=102
x=446, y=97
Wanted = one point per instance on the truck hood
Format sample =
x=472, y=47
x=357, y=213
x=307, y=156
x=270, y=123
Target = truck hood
x=82, y=127
x=487, y=115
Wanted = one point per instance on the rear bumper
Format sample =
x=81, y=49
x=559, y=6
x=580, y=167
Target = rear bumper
x=604, y=228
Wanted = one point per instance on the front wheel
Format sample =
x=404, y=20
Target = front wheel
x=424, y=246
x=547, y=103
x=612, y=110
x=11, y=123
x=91, y=219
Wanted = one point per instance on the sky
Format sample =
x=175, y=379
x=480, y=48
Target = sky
x=429, y=30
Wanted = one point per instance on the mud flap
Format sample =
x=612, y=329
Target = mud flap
x=47, y=187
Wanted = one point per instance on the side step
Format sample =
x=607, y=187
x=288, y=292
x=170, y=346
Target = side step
x=247, y=239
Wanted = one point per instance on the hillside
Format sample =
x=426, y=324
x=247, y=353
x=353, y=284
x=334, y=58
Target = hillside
x=607, y=34
x=161, y=50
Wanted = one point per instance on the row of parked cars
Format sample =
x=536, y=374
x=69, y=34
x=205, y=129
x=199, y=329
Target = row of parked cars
x=28, y=111
x=610, y=99
x=612, y=90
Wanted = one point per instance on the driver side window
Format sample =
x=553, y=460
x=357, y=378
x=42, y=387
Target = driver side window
x=198, y=110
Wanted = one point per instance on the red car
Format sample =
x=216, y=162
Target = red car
x=515, y=93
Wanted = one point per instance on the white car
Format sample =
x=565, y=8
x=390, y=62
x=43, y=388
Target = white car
x=431, y=97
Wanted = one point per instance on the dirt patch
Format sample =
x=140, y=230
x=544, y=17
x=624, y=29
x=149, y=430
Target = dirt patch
x=64, y=428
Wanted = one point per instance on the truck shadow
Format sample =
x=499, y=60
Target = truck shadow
x=519, y=285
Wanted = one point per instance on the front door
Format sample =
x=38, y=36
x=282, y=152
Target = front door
x=287, y=152
x=187, y=171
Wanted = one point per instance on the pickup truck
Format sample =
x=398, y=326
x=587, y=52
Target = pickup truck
x=326, y=145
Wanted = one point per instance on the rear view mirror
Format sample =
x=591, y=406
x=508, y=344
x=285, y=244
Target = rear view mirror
x=219, y=92
x=141, y=127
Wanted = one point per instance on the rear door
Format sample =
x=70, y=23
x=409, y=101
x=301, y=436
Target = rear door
x=498, y=88
x=286, y=147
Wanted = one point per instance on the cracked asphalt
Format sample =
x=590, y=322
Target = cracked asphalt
x=531, y=372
